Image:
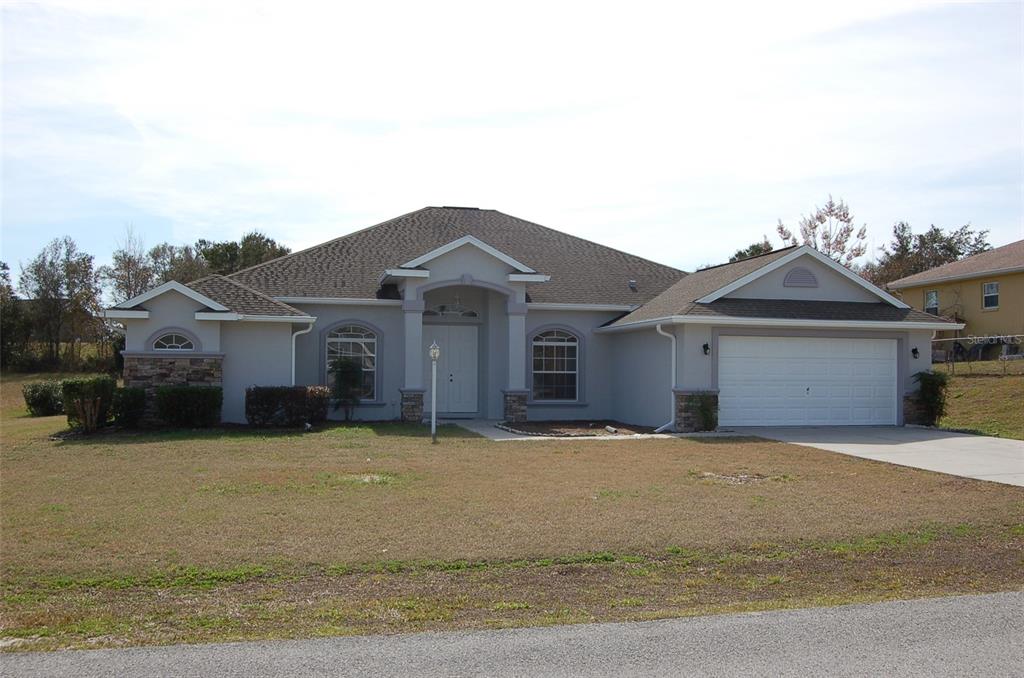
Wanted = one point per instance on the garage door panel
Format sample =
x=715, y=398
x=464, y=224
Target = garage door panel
x=765, y=381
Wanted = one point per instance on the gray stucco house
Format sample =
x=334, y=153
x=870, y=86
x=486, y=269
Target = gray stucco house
x=535, y=323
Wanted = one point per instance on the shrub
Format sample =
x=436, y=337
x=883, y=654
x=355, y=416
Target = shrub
x=87, y=401
x=128, y=406
x=290, y=406
x=931, y=395
x=348, y=384
x=189, y=406
x=706, y=407
x=43, y=398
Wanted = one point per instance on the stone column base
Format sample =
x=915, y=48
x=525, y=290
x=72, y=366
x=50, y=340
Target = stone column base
x=696, y=410
x=151, y=371
x=515, y=405
x=412, y=405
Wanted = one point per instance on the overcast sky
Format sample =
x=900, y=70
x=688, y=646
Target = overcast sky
x=677, y=133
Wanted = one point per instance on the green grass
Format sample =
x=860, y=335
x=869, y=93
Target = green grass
x=983, y=399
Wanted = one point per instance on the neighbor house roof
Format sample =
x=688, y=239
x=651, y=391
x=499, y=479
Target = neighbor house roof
x=582, y=272
x=682, y=299
x=241, y=299
x=1005, y=259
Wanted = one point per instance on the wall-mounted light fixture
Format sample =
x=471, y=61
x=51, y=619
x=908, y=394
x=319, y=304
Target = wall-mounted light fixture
x=914, y=352
x=707, y=349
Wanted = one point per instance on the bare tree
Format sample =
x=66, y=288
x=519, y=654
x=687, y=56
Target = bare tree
x=831, y=231
x=131, y=271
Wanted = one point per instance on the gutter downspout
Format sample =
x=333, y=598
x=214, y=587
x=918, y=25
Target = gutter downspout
x=672, y=396
x=294, y=335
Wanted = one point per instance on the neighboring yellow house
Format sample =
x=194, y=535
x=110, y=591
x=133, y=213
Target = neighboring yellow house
x=986, y=292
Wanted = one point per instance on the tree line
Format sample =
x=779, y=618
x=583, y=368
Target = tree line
x=51, y=318
x=831, y=230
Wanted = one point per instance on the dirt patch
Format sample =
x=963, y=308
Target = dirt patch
x=575, y=428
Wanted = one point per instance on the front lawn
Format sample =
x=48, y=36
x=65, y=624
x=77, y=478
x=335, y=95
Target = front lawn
x=986, y=397
x=234, y=534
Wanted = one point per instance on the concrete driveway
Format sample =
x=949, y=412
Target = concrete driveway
x=960, y=454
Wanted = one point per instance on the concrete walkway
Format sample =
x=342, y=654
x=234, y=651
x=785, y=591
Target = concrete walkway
x=960, y=454
x=975, y=636
x=487, y=428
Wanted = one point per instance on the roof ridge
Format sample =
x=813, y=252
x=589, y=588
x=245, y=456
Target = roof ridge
x=257, y=293
x=592, y=242
x=740, y=261
x=327, y=242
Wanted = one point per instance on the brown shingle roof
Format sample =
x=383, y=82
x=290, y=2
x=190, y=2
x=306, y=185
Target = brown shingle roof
x=681, y=300
x=680, y=297
x=1005, y=258
x=582, y=272
x=241, y=299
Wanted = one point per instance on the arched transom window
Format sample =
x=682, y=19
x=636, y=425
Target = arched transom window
x=360, y=344
x=555, y=366
x=173, y=342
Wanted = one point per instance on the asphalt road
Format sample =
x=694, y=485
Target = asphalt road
x=964, y=636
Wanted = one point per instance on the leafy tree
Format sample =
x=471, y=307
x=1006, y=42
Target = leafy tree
x=131, y=273
x=65, y=293
x=757, y=249
x=230, y=256
x=176, y=262
x=831, y=231
x=908, y=253
x=15, y=329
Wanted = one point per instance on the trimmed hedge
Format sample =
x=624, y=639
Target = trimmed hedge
x=87, y=401
x=128, y=406
x=290, y=406
x=189, y=406
x=43, y=398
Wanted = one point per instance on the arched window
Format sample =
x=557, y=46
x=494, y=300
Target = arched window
x=173, y=342
x=360, y=344
x=555, y=366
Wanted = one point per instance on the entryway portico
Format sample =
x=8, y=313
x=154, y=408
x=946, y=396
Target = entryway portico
x=470, y=299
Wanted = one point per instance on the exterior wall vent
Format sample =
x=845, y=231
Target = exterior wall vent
x=799, y=277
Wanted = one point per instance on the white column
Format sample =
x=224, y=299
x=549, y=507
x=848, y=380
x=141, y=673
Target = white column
x=516, y=346
x=413, y=344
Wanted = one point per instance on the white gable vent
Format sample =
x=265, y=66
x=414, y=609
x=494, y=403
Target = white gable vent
x=799, y=277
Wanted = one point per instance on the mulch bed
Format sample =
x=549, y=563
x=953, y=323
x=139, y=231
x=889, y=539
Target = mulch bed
x=574, y=428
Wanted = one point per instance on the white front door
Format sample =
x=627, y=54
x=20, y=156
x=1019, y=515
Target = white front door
x=456, y=370
x=805, y=381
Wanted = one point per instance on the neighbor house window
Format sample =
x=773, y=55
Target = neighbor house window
x=555, y=366
x=931, y=302
x=173, y=342
x=359, y=343
x=990, y=295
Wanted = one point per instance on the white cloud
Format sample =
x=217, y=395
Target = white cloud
x=680, y=132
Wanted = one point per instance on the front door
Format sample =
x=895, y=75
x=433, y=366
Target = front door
x=456, y=370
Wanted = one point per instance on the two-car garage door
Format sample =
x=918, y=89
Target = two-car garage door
x=805, y=381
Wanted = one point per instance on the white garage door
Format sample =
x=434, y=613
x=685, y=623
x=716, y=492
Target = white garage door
x=800, y=381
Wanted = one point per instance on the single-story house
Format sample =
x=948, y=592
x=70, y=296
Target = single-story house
x=535, y=323
x=984, y=292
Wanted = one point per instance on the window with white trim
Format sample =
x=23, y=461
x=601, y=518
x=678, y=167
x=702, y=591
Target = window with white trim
x=173, y=342
x=555, y=366
x=931, y=302
x=990, y=295
x=360, y=344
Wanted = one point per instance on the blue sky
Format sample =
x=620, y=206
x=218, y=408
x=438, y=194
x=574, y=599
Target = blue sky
x=677, y=132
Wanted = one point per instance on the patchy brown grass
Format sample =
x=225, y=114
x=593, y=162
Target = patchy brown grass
x=986, y=396
x=161, y=537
